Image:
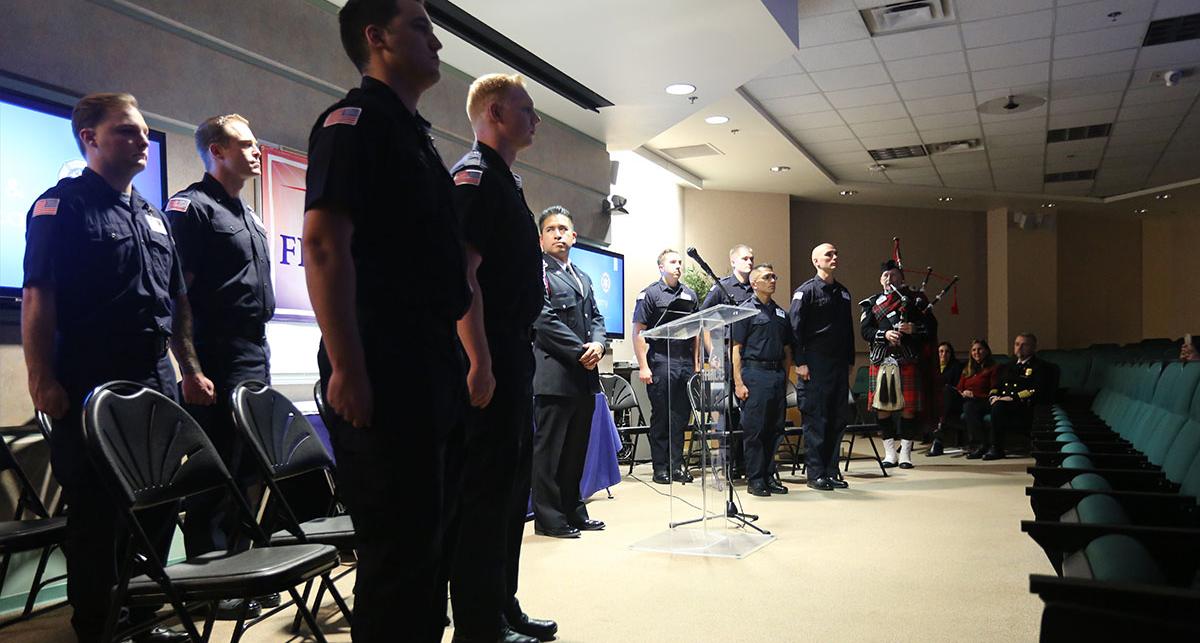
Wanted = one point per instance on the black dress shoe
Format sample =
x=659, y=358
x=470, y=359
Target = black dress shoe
x=230, y=609
x=838, y=483
x=268, y=601
x=162, y=635
x=557, y=532
x=935, y=449
x=662, y=477
x=774, y=487
x=538, y=628
x=977, y=453
x=758, y=490
x=588, y=525
x=681, y=475
x=820, y=484
x=994, y=454
x=510, y=635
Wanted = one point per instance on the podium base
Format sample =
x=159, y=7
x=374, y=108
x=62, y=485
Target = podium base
x=724, y=543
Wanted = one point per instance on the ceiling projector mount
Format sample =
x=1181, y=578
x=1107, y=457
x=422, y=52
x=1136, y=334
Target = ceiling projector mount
x=1011, y=104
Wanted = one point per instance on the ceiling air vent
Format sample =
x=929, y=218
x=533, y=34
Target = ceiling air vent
x=954, y=147
x=691, y=151
x=1079, y=175
x=1078, y=133
x=1174, y=29
x=907, y=16
x=892, y=153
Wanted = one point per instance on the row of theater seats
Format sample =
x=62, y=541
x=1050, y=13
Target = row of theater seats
x=1084, y=371
x=1116, y=484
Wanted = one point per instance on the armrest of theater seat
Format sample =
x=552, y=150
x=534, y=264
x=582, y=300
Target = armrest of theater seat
x=1173, y=548
x=1086, y=610
x=1124, y=479
x=1163, y=601
x=1143, y=507
x=1094, y=446
x=1054, y=458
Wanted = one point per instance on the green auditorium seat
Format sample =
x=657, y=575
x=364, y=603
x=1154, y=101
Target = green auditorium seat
x=1116, y=557
x=1097, y=509
x=1072, y=448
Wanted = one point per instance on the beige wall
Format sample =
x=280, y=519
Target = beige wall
x=1032, y=286
x=713, y=221
x=1099, y=280
x=997, y=277
x=1170, y=301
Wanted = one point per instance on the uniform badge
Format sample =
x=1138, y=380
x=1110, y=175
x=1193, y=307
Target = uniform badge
x=156, y=224
x=779, y=313
x=845, y=295
x=343, y=116
x=45, y=207
x=684, y=296
x=468, y=177
x=1029, y=372
x=178, y=204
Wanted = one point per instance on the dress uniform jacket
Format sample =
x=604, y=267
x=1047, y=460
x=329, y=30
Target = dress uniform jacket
x=569, y=319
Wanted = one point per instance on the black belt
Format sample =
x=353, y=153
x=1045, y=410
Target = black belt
x=127, y=346
x=254, y=331
x=765, y=364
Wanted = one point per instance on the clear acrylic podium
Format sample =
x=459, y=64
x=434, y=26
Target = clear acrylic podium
x=698, y=522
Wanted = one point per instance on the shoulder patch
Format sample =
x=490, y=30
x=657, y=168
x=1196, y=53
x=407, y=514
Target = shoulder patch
x=343, y=116
x=846, y=295
x=641, y=296
x=178, y=204
x=799, y=296
x=45, y=207
x=468, y=177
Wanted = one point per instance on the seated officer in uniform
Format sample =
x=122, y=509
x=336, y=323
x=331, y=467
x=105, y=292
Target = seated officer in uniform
x=762, y=358
x=664, y=366
x=1023, y=383
x=103, y=294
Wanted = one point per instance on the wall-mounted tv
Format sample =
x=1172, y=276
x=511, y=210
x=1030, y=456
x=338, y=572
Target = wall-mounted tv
x=37, y=148
x=607, y=270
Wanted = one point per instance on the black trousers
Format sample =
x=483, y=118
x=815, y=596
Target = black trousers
x=670, y=408
x=391, y=477
x=1008, y=418
x=212, y=523
x=762, y=419
x=821, y=400
x=973, y=410
x=493, y=472
x=564, y=426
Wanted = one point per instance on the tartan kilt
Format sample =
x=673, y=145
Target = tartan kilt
x=910, y=383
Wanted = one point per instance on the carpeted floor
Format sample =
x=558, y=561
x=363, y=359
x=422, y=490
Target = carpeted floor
x=934, y=553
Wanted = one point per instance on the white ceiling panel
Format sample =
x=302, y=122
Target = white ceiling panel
x=1147, y=125
x=872, y=113
x=1172, y=8
x=780, y=86
x=962, y=162
x=976, y=181
x=1010, y=55
x=949, y=119
x=1081, y=119
x=835, y=27
x=1021, y=183
x=834, y=147
x=883, y=128
x=930, y=87
x=1138, y=138
x=982, y=9
x=1069, y=188
x=1139, y=153
x=892, y=140
x=947, y=134
x=1090, y=85
x=876, y=95
x=811, y=121
x=909, y=163
x=1094, y=15
x=1016, y=151
x=845, y=158
x=810, y=8
x=1085, y=103
x=1097, y=65
x=1037, y=112
x=927, y=66
x=1031, y=164
x=1086, y=43
x=851, y=77
x=1006, y=77
x=1154, y=110
x=1040, y=90
x=1176, y=53
x=998, y=31
x=940, y=104
x=1159, y=92
x=823, y=134
x=797, y=105
x=916, y=176
x=1076, y=164
x=924, y=42
x=845, y=54
x=857, y=173
x=1020, y=139
x=1015, y=126
x=786, y=67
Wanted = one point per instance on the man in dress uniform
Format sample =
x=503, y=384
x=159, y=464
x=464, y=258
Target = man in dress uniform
x=762, y=356
x=737, y=284
x=225, y=255
x=103, y=296
x=823, y=341
x=391, y=366
x=896, y=323
x=666, y=379
x=504, y=264
x=1023, y=383
x=569, y=340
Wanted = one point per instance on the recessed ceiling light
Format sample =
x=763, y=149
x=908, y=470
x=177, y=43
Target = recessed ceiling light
x=1140, y=211
x=717, y=120
x=780, y=168
x=680, y=89
x=877, y=167
x=945, y=199
x=1049, y=204
x=1162, y=197
x=848, y=192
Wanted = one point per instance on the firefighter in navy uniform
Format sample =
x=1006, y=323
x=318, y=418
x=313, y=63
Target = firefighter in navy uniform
x=504, y=262
x=737, y=284
x=1023, y=383
x=665, y=365
x=896, y=323
x=391, y=366
x=103, y=296
x=762, y=357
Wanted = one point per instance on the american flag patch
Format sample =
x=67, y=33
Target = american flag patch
x=343, y=116
x=178, y=204
x=468, y=177
x=45, y=207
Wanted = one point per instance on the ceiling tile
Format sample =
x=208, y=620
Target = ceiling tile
x=1154, y=110
x=862, y=96
x=1076, y=164
x=1090, y=85
x=961, y=162
x=1041, y=90
x=1080, y=119
x=1090, y=148
x=1172, y=8
x=1019, y=139
x=883, y=128
x=1147, y=125
x=981, y=9
x=811, y=121
x=998, y=153
x=949, y=119
x=797, y=105
x=823, y=134
x=1139, y=151
x=927, y=66
x=998, y=31
x=845, y=158
x=894, y=140
x=1160, y=93
x=1019, y=183
x=1094, y=15
x=978, y=181
x=1037, y=112
x=873, y=113
x=924, y=42
x=1011, y=76
x=915, y=176
x=857, y=172
x=1101, y=40
x=1138, y=138
x=1097, y=65
x=780, y=86
x=947, y=134
x=1070, y=188
x=845, y=54
x=1026, y=163
x=831, y=28
x=786, y=67
x=930, y=87
x=833, y=147
x=940, y=104
x=851, y=77
x=1085, y=103
x=1015, y=126
x=909, y=163
x=810, y=8
x=1010, y=55
x=1177, y=53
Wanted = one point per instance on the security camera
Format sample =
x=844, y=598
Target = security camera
x=1172, y=77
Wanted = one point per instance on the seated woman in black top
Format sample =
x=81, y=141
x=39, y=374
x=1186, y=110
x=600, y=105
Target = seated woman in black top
x=947, y=400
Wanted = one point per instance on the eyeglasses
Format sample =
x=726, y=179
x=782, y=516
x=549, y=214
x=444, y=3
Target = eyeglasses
x=768, y=277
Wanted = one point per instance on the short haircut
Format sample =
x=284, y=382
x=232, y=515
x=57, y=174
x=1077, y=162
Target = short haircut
x=353, y=20
x=759, y=269
x=739, y=249
x=1030, y=336
x=555, y=211
x=92, y=109
x=487, y=89
x=213, y=131
x=663, y=255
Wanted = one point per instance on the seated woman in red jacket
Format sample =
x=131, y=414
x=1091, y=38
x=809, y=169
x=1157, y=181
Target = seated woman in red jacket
x=977, y=382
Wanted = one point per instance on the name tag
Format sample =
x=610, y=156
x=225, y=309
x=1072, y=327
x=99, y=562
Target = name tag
x=685, y=296
x=156, y=224
x=779, y=313
x=845, y=295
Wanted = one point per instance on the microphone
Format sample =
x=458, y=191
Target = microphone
x=691, y=252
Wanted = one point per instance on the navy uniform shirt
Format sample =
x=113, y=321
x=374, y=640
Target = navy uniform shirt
x=741, y=293
x=498, y=224
x=112, y=264
x=223, y=243
x=821, y=322
x=373, y=159
x=764, y=336
x=653, y=301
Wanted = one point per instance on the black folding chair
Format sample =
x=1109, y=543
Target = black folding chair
x=42, y=531
x=285, y=446
x=151, y=453
x=623, y=402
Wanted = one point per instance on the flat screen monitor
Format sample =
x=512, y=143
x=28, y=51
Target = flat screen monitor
x=607, y=271
x=37, y=148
